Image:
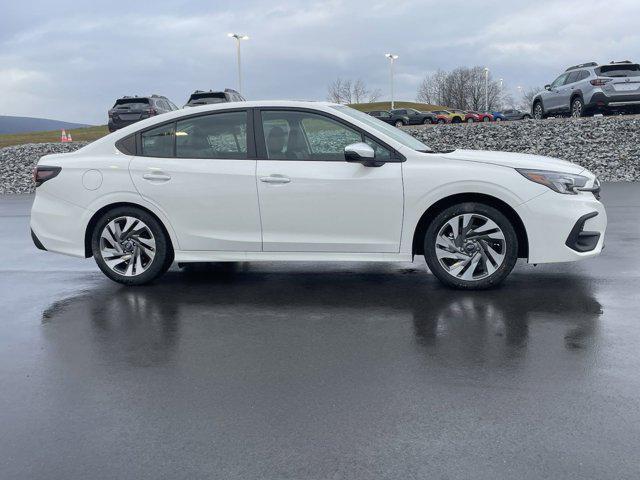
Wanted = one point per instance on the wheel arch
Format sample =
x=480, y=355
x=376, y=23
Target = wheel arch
x=508, y=211
x=96, y=216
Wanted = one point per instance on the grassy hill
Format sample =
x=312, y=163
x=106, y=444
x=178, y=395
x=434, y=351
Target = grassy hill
x=368, y=107
x=87, y=134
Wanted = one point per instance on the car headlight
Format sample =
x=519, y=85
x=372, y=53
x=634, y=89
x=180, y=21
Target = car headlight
x=558, y=182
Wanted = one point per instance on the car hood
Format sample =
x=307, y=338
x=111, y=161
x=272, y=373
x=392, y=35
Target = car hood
x=515, y=160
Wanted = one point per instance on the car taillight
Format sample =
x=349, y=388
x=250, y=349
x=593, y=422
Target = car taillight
x=598, y=82
x=152, y=111
x=42, y=174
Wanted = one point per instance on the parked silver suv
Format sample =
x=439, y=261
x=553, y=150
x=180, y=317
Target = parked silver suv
x=591, y=88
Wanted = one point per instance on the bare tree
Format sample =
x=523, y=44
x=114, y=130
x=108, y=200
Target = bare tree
x=349, y=91
x=334, y=91
x=527, y=97
x=374, y=95
x=463, y=88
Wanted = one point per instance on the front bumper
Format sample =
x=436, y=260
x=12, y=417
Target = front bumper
x=563, y=228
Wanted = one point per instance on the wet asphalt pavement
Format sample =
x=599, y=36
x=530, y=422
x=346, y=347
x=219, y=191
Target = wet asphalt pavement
x=320, y=371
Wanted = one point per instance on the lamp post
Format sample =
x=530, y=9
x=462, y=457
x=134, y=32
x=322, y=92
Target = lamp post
x=392, y=58
x=486, y=89
x=239, y=37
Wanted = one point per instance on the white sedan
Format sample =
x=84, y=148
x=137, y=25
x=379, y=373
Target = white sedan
x=308, y=181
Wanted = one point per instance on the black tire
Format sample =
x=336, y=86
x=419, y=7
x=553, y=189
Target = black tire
x=441, y=121
x=538, y=110
x=163, y=253
x=456, y=120
x=470, y=120
x=577, y=109
x=399, y=123
x=427, y=121
x=486, y=119
x=498, y=119
x=510, y=246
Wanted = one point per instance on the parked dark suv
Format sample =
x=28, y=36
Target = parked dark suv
x=200, y=97
x=415, y=117
x=128, y=110
x=391, y=118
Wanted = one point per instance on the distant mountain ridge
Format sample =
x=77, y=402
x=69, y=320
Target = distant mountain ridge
x=10, y=124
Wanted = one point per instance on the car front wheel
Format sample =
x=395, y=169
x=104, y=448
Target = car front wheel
x=471, y=246
x=130, y=246
x=538, y=112
x=399, y=123
x=486, y=119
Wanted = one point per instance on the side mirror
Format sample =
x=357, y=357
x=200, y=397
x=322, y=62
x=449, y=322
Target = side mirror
x=361, y=153
x=547, y=87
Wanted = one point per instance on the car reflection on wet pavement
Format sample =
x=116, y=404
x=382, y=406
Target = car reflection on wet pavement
x=303, y=370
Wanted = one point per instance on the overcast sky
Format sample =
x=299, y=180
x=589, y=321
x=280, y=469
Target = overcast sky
x=70, y=60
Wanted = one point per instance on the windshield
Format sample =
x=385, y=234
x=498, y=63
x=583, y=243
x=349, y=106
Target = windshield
x=382, y=127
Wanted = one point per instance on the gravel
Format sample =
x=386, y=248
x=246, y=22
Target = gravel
x=17, y=162
x=608, y=146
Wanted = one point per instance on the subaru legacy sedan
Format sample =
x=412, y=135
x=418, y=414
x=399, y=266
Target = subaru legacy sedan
x=311, y=181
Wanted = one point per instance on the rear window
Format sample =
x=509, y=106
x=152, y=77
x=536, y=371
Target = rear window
x=207, y=98
x=132, y=103
x=627, y=70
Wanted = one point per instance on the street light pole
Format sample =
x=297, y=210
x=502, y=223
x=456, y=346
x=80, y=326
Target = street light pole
x=486, y=89
x=392, y=58
x=238, y=38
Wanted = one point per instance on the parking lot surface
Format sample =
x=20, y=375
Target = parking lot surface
x=320, y=371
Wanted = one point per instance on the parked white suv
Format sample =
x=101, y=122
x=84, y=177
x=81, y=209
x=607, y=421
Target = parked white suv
x=307, y=181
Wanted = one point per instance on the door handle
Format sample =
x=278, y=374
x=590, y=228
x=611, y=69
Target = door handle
x=275, y=179
x=156, y=177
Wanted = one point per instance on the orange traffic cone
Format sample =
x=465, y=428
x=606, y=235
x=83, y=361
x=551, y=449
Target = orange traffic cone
x=63, y=136
x=69, y=137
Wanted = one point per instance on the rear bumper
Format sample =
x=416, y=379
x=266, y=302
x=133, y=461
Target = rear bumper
x=118, y=124
x=56, y=225
x=563, y=228
x=602, y=100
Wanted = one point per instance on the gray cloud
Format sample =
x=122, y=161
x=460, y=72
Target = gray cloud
x=70, y=61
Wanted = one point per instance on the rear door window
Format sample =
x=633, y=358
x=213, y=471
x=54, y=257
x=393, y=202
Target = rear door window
x=219, y=135
x=158, y=142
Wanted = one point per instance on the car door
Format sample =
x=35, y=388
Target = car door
x=565, y=91
x=311, y=199
x=200, y=171
x=551, y=98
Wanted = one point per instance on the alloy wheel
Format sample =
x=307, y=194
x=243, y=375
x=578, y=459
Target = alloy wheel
x=576, y=108
x=470, y=247
x=127, y=246
x=537, y=111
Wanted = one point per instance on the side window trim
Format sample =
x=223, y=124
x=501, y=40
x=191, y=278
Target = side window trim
x=251, y=143
x=261, y=148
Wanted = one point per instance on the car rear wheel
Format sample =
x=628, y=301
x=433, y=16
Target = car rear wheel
x=471, y=246
x=130, y=246
x=498, y=119
x=469, y=120
x=456, y=120
x=577, y=108
x=441, y=121
x=399, y=123
x=486, y=119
